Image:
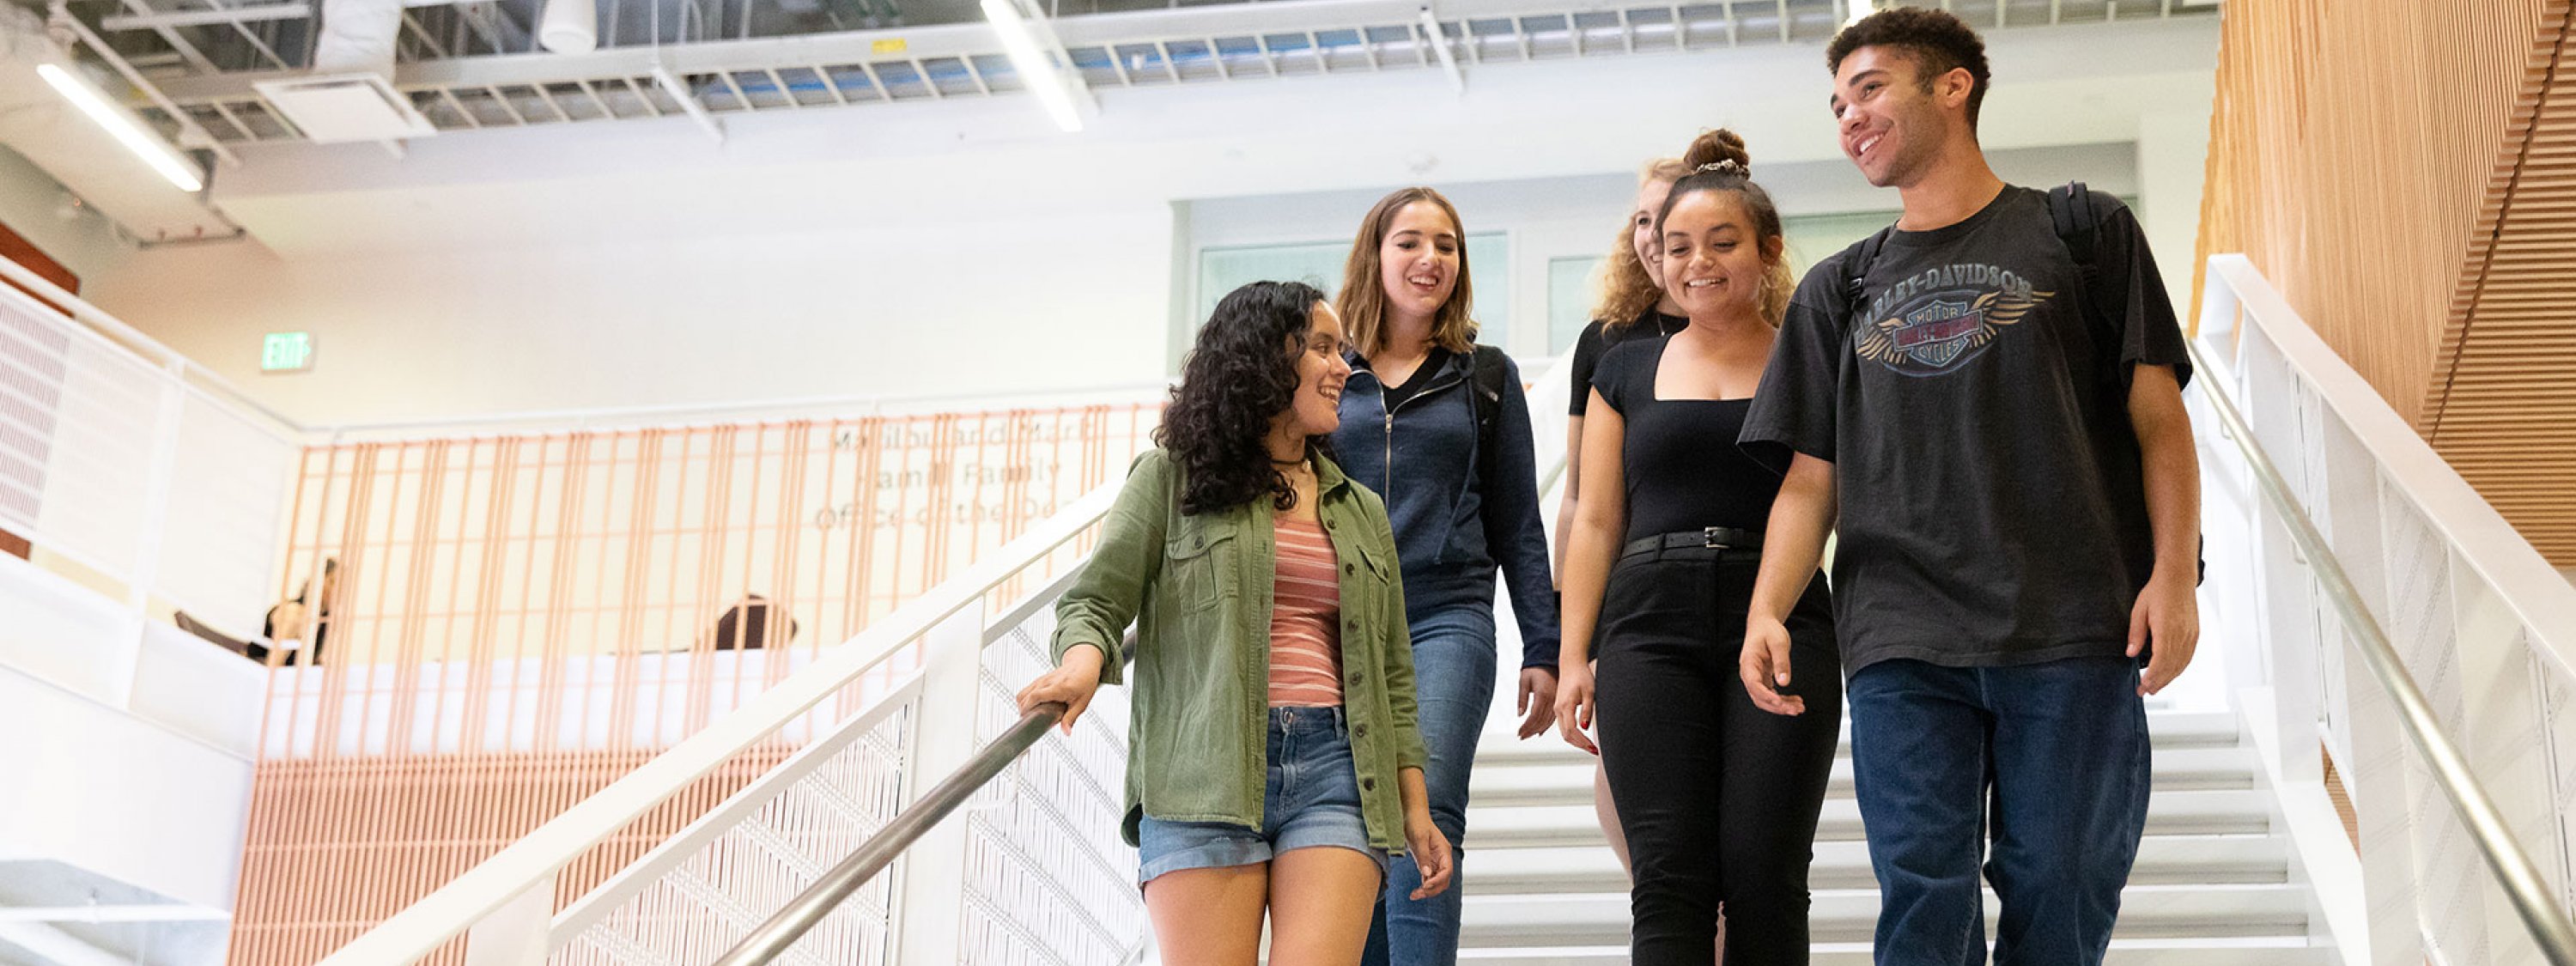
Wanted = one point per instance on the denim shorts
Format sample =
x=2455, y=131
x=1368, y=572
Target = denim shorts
x=1312, y=799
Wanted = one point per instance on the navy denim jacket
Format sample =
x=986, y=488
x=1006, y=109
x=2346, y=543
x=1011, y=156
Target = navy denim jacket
x=1450, y=533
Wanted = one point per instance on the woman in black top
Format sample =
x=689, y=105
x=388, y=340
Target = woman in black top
x=1718, y=798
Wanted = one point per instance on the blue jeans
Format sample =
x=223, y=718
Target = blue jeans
x=1453, y=680
x=2061, y=747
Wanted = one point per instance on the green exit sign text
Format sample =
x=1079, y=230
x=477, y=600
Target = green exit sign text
x=286, y=352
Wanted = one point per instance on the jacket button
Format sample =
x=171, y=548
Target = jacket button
x=1328, y=524
x=1360, y=732
x=1348, y=569
x=1368, y=784
x=1196, y=542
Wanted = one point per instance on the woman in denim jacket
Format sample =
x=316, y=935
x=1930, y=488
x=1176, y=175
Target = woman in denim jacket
x=1450, y=450
x=1274, y=761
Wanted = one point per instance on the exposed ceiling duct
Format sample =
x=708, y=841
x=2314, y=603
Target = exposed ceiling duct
x=350, y=96
x=38, y=121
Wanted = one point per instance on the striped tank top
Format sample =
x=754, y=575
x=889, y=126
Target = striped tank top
x=1305, y=620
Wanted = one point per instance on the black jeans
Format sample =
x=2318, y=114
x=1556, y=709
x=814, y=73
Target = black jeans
x=1718, y=798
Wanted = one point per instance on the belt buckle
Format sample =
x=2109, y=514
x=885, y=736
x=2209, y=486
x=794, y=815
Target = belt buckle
x=1709, y=538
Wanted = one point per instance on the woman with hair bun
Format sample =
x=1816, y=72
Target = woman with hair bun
x=1718, y=799
x=1273, y=767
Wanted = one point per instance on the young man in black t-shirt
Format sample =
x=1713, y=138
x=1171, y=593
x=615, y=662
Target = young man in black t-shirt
x=1988, y=404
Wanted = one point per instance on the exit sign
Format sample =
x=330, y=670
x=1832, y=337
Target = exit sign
x=286, y=352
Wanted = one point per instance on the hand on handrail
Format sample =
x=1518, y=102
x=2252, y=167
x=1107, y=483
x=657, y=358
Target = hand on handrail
x=1072, y=683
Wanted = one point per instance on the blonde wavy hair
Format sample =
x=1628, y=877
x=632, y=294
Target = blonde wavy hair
x=1626, y=290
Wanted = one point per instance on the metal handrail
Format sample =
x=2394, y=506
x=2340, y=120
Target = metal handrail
x=804, y=912
x=2506, y=860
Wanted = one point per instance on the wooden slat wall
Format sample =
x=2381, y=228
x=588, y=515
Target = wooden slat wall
x=2364, y=155
x=2500, y=405
x=521, y=620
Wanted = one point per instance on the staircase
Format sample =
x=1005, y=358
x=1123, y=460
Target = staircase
x=2215, y=883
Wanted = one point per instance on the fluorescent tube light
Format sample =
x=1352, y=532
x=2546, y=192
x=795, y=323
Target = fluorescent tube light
x=133, y=136
x=1031, y=63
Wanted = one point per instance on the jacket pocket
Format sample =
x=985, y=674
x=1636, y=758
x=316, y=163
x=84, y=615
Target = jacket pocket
x=1199, y=561
x=1378, y=563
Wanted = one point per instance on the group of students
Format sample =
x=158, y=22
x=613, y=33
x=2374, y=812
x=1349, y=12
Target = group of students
x=1983, y=401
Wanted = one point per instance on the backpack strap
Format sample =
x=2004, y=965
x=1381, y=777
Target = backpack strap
x=2070, y=206
x=1857, y=267
x=1485, y=397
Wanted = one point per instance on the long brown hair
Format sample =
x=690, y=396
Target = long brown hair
x=1707, y=152
x=1362, y=303
x=1627, y=291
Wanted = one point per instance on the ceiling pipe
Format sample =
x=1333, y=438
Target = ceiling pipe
x=358, y=37
x=569, y=26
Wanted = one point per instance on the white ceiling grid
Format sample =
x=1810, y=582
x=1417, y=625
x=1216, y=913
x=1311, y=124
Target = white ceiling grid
x=1181, y=45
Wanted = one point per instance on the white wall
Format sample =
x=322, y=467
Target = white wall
x=33, y=204
x=842, y=252
x=979, y=307
x=134, y=741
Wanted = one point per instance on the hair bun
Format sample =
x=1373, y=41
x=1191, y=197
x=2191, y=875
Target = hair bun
x=1717, y=151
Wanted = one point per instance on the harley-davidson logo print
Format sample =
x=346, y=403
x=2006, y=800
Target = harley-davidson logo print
x=1931, y=322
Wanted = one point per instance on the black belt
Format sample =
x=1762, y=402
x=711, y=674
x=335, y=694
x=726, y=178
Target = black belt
x=1708, y=538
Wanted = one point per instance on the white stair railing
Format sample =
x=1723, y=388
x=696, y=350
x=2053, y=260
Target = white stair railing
x=137, y=467
x=2476, y=617
x=1035, y=874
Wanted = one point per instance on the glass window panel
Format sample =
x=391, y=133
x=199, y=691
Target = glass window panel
x=1569, y=300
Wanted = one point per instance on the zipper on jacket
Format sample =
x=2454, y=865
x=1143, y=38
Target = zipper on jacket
x=1389, y=489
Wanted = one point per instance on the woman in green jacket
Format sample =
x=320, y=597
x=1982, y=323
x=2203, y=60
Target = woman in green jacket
x=1274, y=763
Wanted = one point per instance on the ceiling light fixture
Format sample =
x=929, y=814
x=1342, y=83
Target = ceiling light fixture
x=144, y=145
x=1030, y=61
x=1860, y=10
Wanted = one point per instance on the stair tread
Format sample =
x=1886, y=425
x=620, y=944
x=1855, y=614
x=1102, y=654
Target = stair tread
x=1561, y=782
x=2176, y=812
x=2162, y=860
x=2177, y=911
x=2166, y=730
x=2125, y=951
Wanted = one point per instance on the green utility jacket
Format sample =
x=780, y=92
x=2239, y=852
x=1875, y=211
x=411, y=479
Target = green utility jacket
x=1200, y=589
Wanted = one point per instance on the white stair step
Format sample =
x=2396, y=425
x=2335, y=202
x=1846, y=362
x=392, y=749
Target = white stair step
x=1502, y=782
x=2162, y=860
x=2223, y=811
x=2221, y=951
x=1502, y=743
x=2194, y=911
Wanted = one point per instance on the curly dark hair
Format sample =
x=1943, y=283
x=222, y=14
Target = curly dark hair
x=1240, y=375
x=1936, y=40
